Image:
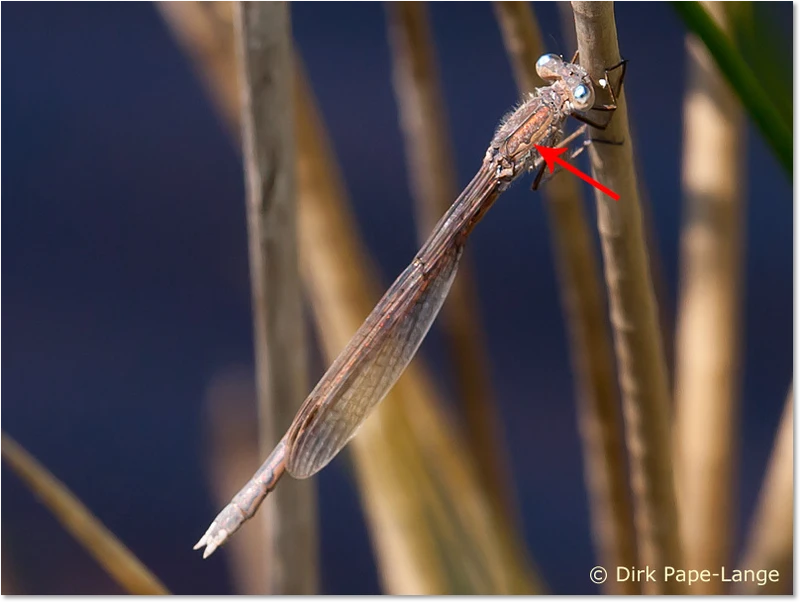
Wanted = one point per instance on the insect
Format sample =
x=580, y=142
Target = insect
x=386, y=342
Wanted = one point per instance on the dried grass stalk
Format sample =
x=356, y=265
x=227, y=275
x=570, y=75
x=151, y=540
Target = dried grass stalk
x=662, y=291
x=707, y=358
x=523, y=41
x=205, y=32
x=605, y=465
x=430, y=155
x=634, y=316
x=264, y=52
x=109, y=552
x=770, y=543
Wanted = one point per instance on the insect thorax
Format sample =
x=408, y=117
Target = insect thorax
x=536, y=121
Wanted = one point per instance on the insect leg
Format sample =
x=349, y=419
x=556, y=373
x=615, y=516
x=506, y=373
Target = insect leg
x=613, y=94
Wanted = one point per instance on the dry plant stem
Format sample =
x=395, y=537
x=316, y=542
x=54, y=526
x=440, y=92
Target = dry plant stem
x=605, y=464
x=634, y=315
x=429, y=155
x=523, y=41
x=666, y=311
x=117, y=560
x=406, y=455
x=264, y=52
x=770, y=540
x=707, y=358
x=205, y=32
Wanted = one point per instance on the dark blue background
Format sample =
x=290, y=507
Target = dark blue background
x=127, y=281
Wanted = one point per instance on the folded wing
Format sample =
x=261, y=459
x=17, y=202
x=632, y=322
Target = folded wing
x=370, y=365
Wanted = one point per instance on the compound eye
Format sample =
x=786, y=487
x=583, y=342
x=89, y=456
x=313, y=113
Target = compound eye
x=547, y=66
x=583, y=96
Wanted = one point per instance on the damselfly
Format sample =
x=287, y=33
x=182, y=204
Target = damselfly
x=384, y=345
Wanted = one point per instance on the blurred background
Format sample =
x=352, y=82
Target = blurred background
x=127, y=304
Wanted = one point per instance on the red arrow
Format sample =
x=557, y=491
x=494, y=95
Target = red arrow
x=551, y=157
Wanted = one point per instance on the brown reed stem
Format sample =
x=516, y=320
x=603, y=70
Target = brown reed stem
x=605, y=465
x=665, y=310
x=205, y=32
x=634, y=316
x=109, y=552
x=707, y=360
x=264, y=52
x=429, y=155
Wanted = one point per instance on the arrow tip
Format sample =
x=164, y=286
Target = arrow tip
x=550, y=155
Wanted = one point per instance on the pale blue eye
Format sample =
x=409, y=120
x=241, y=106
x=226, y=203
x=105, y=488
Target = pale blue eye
x=581, y=93
x=545, y=59
x=548, y=66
